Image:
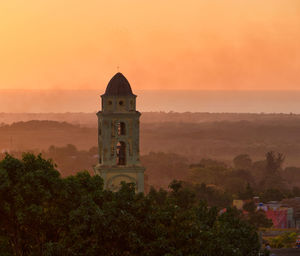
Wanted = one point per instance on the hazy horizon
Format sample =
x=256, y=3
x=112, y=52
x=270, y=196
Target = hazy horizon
x=204, y=56
x=237, y=101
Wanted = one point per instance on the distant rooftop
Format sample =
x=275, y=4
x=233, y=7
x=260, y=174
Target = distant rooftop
x=118, y=85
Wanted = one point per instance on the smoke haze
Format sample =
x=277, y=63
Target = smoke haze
x=190, y=45
x=60, y=101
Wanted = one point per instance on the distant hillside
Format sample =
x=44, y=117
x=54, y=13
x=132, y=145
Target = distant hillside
x=36, y=125
x=194, y=140
x=42, y=134
x=90, y=119
x=223, y=139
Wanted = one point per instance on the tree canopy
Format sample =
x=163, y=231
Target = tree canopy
x=44, y=214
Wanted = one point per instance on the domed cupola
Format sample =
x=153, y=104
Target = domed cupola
x=118, y=96
x=118, y=86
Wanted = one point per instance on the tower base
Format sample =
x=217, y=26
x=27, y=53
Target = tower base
x=114, y=175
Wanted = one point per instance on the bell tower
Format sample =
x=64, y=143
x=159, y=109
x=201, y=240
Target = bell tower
x=118, y=136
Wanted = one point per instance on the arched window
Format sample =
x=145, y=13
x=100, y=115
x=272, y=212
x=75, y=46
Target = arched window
x=112, y=129
x=121, y=153
x=100, y=155
x=121, y=128
x=131, y=105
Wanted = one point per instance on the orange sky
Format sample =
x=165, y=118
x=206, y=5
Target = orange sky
x=158, y=44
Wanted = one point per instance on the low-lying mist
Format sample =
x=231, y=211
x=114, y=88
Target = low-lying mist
x=61, y=101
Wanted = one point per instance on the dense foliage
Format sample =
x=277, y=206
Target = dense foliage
x=286, y=240
x=246, y=178
x=44, y=214
x=215, y=181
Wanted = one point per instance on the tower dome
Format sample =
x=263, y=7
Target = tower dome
x=118, y=86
